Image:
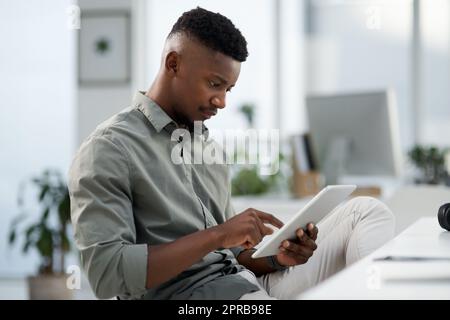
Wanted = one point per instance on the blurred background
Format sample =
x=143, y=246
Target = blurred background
x=65, y=66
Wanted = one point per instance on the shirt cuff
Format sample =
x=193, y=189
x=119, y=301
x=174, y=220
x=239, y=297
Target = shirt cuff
x=134, y=259
x=237, y=251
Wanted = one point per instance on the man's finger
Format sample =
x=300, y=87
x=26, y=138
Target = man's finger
x=301, y=235
x=310, y=244
x=305, y=251
x=305, y=240
x=248, y=245
x=297, y=259
x=264, y=230
x=267, y=217
x=312, y=231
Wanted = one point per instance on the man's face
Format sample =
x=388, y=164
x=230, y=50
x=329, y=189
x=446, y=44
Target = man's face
x=201, y=83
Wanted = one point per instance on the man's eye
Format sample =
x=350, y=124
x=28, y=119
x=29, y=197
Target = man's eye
x=214, y=84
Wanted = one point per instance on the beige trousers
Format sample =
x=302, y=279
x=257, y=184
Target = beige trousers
x=353, y=230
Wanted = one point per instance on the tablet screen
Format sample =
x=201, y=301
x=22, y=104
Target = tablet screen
x=313, y=212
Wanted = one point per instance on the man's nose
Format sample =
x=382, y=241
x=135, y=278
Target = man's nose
x=219, y=102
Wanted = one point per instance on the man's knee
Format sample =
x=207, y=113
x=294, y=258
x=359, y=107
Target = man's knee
x=372, y=207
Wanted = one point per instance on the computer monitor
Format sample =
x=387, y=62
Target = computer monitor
x=355, y=134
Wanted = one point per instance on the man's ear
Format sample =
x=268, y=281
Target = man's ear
x=172, y=63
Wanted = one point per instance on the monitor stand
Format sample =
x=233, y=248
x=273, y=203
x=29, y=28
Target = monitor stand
x=334, y=171
x=336, y=157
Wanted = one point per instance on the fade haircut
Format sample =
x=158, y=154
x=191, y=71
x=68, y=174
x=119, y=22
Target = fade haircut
x=214, y=31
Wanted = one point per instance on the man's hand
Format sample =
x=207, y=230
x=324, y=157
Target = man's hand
x=298, y=251
x=246, y=229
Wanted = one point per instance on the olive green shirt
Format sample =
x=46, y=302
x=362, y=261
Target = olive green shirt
x=126, y=193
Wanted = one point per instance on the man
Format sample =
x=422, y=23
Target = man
x=150, y=228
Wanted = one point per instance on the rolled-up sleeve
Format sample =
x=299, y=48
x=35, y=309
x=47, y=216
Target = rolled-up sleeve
x=102, y=217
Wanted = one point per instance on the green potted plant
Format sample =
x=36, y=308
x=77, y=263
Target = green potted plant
x=430, y=161
x=246, y=179
x=47, y=234
x=248, y=111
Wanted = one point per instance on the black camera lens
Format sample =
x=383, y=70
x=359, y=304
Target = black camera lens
x=444, y=216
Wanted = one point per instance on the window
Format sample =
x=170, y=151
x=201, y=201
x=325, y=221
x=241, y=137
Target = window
x=361, y=45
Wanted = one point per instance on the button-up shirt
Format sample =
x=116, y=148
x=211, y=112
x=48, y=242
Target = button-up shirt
x=127, y=193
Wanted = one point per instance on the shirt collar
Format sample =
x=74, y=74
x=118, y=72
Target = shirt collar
x=153, y=112
x=157, y=116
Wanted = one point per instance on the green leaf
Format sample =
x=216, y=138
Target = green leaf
x=45, y=215
x=26, y=246
x=44, y=190
x=12, y=236
x=64, y=209
x=30, y=230
x=17, y=220
x=45, y=243
x=248, y=110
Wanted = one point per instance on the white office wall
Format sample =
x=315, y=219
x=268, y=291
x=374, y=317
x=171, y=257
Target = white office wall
x=37, y=86
x=96, y=103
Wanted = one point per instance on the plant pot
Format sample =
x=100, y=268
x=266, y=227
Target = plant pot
x=49, y=287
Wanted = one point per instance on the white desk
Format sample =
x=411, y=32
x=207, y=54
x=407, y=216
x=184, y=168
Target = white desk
x=369, y=279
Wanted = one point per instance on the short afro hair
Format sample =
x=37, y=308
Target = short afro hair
x=214, y=31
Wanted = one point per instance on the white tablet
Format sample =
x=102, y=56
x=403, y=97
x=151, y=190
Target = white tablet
x=314, y=211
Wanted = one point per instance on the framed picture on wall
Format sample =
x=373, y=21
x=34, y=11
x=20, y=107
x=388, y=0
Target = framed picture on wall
x=104, y=48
